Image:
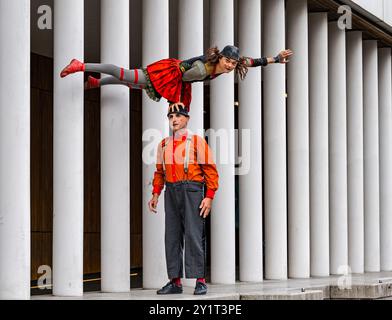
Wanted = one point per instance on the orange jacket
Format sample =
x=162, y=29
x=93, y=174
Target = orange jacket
x=201, y=164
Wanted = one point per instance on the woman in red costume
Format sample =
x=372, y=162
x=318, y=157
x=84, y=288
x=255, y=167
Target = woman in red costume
x=172, y=78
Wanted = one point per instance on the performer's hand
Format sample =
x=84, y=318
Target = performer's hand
x=152, y=204
x=176, y=107
x=205, y=207
x=284, y=55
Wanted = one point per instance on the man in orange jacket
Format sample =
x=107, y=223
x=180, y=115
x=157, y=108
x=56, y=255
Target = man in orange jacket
x=185, y=165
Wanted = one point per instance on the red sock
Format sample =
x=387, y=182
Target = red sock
x=92, y=83
x=74, y=66
x=202, y=280
x=177, y=281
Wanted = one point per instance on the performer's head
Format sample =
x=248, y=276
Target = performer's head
x=227, y=60
x=178, y=117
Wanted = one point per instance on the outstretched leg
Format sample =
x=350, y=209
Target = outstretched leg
x=135, y=76
x=110, y=80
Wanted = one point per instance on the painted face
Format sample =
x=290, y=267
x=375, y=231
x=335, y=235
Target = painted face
x=227, y=65
x=178, y=121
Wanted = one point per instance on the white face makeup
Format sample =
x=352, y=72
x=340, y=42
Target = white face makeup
x=178, y=121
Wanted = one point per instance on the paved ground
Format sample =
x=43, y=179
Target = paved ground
x=365, y=286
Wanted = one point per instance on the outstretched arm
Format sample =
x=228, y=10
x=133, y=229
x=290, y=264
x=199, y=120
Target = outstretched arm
x=282, y=58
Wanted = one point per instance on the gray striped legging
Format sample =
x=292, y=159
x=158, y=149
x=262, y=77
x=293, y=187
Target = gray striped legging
x=134, y=78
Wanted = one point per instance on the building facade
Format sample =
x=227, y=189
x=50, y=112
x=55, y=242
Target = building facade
x=306, y=186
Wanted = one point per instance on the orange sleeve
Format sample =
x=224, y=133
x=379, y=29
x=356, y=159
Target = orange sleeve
x=159, y=175
x=205, y=159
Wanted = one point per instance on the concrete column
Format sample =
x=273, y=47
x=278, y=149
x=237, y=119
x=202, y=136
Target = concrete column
x=190, y=44
x=318, y=141
x=385, y=109
x=338, y=149
x=222, y=118
x=155, y=47
x=115, y=167
x=249, y=118
x=298, y=140
x=275, y=195
x=355, y=151
x=15, y=149
x=371, y=155
x=68, y=151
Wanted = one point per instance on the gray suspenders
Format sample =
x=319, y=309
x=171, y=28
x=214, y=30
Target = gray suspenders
x=187, y=154
x=163, y=155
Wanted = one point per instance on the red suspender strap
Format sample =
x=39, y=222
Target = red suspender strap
x=122, y=74
x=136, y=76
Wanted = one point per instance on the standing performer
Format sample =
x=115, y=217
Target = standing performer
x=185, y=166
x=172, y=78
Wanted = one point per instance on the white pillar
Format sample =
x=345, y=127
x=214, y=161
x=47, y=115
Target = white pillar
x=249, y=118
x=155, y=47
x=190, y=44
x=68, y=151
x=222, y=118
x=355, y=152
x=338, y=149
x=275, y=223
x=371, y=156
x=298, y=140
x=14, y=149
x=318, y=140
x=385, y=99
x=115, y=167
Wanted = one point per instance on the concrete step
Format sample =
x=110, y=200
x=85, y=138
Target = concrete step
x=369, y=291
x=285, y=295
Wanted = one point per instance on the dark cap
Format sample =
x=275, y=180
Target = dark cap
x=231, y=52
x=181, y=110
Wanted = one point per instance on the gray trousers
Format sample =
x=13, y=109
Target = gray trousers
x=183, y=222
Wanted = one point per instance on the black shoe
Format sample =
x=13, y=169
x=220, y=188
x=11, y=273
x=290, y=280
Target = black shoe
x=170, y=288
x=200, y=289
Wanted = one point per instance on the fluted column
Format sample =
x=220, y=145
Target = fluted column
x=318, y=140
x=155, y=47
x=298, y=140
x=338, y=149
x=190, y=44
x=371, y=156
x=115, y=166
x=355, y=151
x=14, y=149
x=275, y=195
x=385, y=109
x=68, y=151
x=249, y=118
x=222, y=118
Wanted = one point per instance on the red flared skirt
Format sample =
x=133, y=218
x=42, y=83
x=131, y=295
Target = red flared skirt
x=166, y=77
